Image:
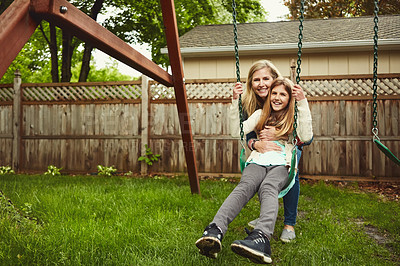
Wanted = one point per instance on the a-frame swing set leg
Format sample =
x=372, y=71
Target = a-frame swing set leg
x=21, y=18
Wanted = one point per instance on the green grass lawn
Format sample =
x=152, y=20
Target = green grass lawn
x=87, y=220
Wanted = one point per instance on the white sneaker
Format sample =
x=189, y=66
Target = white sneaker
x=287, y=235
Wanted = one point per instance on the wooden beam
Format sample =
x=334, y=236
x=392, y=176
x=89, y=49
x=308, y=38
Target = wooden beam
x=68, y=17
x=16, y=27
x=171, y=32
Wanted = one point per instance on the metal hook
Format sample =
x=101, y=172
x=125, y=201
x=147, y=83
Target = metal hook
x=375, y=132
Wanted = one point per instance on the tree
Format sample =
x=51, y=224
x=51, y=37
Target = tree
x=134, y=22
x=341, y=8
x=141, y=21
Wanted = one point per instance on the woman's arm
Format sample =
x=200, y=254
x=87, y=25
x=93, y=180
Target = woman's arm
x=248, y=125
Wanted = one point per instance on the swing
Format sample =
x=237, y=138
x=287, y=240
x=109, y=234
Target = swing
x=292, y=172
x=375, y=137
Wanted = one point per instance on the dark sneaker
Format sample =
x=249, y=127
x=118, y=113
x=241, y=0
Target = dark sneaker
x=255, y=247
x=210, y=243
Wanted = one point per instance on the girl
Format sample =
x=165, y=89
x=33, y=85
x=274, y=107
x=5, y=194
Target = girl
x=265, y=173
x=260, y=77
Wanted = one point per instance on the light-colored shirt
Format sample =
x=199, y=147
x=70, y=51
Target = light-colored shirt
x=271, y=157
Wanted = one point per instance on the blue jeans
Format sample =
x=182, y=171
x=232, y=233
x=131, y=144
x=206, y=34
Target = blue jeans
x=291, y=199
x=290, y=202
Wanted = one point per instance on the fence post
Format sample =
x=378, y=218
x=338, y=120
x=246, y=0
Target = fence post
x=145, y=122
x=293, y=71
x=16, y=121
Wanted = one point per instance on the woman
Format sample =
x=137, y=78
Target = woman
x=261, y=75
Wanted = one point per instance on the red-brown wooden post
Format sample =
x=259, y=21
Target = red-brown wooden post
x=68, y=17
x=171, y=32
x=16, y=27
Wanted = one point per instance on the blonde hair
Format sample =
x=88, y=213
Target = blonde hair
x=282, y=120
x=251, y=101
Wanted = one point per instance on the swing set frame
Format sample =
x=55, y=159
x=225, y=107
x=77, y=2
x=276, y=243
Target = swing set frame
x=19, y=21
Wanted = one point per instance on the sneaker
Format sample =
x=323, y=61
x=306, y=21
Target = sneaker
x=287, y=235
x=253, y=223
x=210, y=243
x=255, y=247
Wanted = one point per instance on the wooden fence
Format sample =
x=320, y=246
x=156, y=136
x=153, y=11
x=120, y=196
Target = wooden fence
x=77, y=126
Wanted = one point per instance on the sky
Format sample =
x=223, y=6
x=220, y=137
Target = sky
x=276, y=10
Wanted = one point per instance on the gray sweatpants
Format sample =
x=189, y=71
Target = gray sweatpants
x=268, y=182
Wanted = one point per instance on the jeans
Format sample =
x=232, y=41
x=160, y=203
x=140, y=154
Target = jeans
x=291, y=199
x=267, y=182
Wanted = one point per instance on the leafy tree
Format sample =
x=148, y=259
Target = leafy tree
x=133, y=21
x=341, y=8
x=141, y=21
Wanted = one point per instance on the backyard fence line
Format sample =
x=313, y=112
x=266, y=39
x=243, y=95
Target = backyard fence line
x=80, y=125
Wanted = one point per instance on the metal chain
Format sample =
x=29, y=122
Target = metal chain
x=375, y=74
x=298, y=70
x=235, y=37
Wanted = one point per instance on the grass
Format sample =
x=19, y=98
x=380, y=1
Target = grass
x=92, y=220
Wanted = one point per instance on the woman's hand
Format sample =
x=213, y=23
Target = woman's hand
x=237, y=90
x=298, y=93
x=264, y=146
x=267, y=134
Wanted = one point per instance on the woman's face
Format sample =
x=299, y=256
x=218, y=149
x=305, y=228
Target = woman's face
x=261, y=82
x=279, y=98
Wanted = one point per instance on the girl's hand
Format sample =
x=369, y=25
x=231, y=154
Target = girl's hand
x=298, y=93
x=237, y=90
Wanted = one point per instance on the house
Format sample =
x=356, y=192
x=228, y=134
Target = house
x=335, y=46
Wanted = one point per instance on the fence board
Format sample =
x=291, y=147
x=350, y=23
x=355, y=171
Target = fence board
x=80, y=135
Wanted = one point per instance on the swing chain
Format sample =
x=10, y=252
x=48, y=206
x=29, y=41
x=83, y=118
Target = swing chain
x=235, y=37
x=375, y=73
x=298, y=70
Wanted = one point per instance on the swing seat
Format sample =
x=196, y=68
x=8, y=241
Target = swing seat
x=242, y=159
x=292, y=172
x=386, y=151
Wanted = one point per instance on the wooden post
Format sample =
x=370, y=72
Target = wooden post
x=145, y=122
x=174, y=54
x=293, y=71
x=16, y=121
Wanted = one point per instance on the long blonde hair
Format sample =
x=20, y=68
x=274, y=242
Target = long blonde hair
x=282, y=120
x=251, y=101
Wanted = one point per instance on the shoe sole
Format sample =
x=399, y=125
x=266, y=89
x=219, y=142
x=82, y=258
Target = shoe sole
x=285, y=240
x=209, y=246
x=251, y=254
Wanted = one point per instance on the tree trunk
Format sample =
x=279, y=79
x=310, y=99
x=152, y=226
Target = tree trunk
x=54, y=53
x=67, y=50
x=87, y=53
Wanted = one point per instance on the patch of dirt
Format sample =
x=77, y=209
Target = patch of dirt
x=386, y=190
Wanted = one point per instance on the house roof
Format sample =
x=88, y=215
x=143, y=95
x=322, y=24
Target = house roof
x=333, y=33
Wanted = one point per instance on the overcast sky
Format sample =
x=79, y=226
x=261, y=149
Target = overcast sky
x=276, y=10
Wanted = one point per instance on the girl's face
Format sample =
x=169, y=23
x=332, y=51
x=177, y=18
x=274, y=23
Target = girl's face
x=261, y=82
x=279, y=98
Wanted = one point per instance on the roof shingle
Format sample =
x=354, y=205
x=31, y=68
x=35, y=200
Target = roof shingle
x=315, y=30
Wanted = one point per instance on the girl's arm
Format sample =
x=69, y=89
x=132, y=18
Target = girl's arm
x=304, y=129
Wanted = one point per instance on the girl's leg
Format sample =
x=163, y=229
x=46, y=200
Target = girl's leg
x=268, y=194
x=249, y=184
x=290, y=202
